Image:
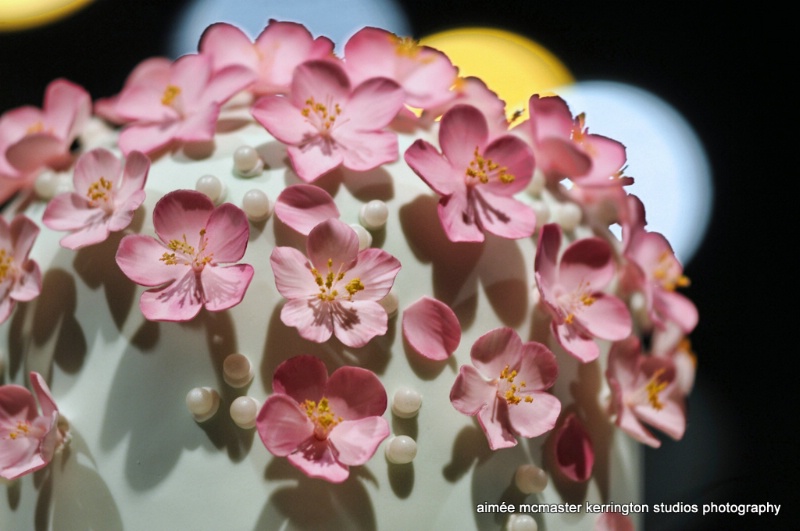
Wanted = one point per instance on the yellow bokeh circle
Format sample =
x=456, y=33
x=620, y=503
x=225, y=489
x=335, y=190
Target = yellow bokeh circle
x=24, y=14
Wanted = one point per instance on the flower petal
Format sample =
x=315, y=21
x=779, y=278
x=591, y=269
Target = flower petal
x=227, y=232
x=293, y=278
x=368, y=401
x=304, y=206
x=178, y=301
x=302, y=378
x=495, y=424
x=317, y=460
x=574, y=342
x=282, y=425
x=504, y=216
x=355, y=441
x=377, y=271
x=139, y=257
x=496, y=350
x=372, y=105
x=433, y=168
x=471, y=392
x=357, y=322
x=463, y=129
x=586, y=261
x=224, y=287
x=534, y=418
x=311, y=317
x=182, y=214
x=333, y=245
x=607, y=318
x=574, y=450
x=432, y=328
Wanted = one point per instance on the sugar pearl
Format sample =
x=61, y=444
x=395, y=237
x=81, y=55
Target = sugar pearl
x=45, y=185
x=244, y=410
x=530, y=479
x=521, y=522
x=374, y=214
x=401, y=450
x=211, y=187
x=406, y=403
x=256, y=205
x=202, y=403
x=246, y=161
x=390, y=303
x=568, y=215
x=237, y=370
x=364, y=237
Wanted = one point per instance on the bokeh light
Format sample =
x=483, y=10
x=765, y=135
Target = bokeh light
x=24, y=14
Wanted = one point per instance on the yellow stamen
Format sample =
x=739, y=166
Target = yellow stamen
x=99, y=190
x=405, y=46
x=322, y=416
x=170, y=93
x=6, y=264
x=327, y=283
x=654, y=387
x=511, y=391
x=483, y=169
x=320, y=111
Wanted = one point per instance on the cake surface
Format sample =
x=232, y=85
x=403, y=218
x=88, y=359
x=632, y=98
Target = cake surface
x=136, y=457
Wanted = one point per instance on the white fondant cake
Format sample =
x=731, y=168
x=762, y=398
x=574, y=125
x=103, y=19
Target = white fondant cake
x=137, y=458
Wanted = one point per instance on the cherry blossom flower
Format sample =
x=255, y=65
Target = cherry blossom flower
x=476, y=176
x=28, y=439
x=574, y=450
x=644, y=391
x=20, y=277
x=323, y=425
x=337, y=288
x=325, y=122
x=107, y=197
x=32, y=139
x=185, y=267
x=149, y=72
x=506, y=388
x=564, y=148
x=425, y=74
x=571, y=289
x=473, y=91
x=274, y=55
x=179, y=106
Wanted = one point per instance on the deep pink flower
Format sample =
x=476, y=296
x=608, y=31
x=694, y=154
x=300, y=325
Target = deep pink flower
x=425, y=74
x=274, y=55
x=20, y=278
x=179, y=106
x=477, y=177
x=32, y=139
x=506, y=388
x=571, y=289
x=565, y=149
x=323, y=425
x=337, y=288
x=185, y=267
x=28, y=438
x=325, y=122
x=106, y=197
x=644, y=391
x=574, y=450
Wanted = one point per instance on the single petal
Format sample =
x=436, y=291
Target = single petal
x=432, y=328
x=433, y=168
x=224, y=287
x=495, y=351
x=226, y=45
x=574, y=450
x=16, y=403
x=495, y=424
x=182, y=215
x=147, y=138
x=516, y=157
x=504, y=216
x=181, y=300
x=463, y=129
x=365, y=150
x=91, y=234
x=355, y=393
x=459, y=221
x=586, y=262
x=546, y=263
x=676, y=308
x=140, y=258
x=537, y=367
x=372, y=105
x=226, y=82
x=293, y=278
x=357, y=322
x=312, y=318
x=303, y=206
x=355, y=441
x=282, y=425
x=333, y=245
x=283, y=120
x=227, y=232
x=377, y=270
x=315, y=158
x=317, y=460
x=302, y=378
x=607, y=318
x=43, y=395
x=471, y=392
x=94, y=165
x=531, y=419
x=322, y=81
x=35, y=151
x=569, y=337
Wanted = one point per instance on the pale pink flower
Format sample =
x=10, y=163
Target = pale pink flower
x=274, y=55
x=151, y=71
x=574, y=451
x=325, y=122
x=186, y=267
x=323, y=425
x=564, y=148
x=336, y=289
x=107, y=194
x=644, y=391
x=572, y=286
x=179, y=106
x=425, y=74
x=32, y=139
x=506, y=388
x=28, y=438
x=476, y=176
x=20, y=277
x=473, y=91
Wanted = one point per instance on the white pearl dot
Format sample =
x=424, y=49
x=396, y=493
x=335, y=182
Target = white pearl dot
x=237, y=370
x=364, y=237
x=390, y=303
x=401, y=450
x=530, y=479
x=45, y=185
x=521, y=522
x=568, y=215
x=406, y=403
x=374, y=214
x=244, y=411
x=256, y=205
x=246, y=161
x=211, y=186
x=202, y=403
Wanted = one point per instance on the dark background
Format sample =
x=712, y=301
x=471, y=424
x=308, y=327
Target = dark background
x=721, y=71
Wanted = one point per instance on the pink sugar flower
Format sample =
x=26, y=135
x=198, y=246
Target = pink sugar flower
x=20, y=277
x=564, y=148
x=644, y=390
x=107, y=196
x=476, y=176
x=571, y=289
x=473, y=91
x=506, y=388
x=425, y=74
x=274, y=55
x=325, y=122
x=149, y=72
x=323, y=425
x=574, y=450
x=28, y=438
x=185, y=267
x=336, y=289
x=32, y=139
x=179, y=106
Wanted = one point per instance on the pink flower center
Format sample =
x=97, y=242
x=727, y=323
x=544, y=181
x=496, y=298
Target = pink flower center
x=36, y=127
x=170, y=93
x=328, y=285
x=321, y=116
x=482, y=170
x=575, y=301
x=668, y=273
x=99, y=194
x=6, y=265
x=508, y=389
x=185, y=254
x=322, y=416
x=23, y=429
x=405, y=46
x=654, y=388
